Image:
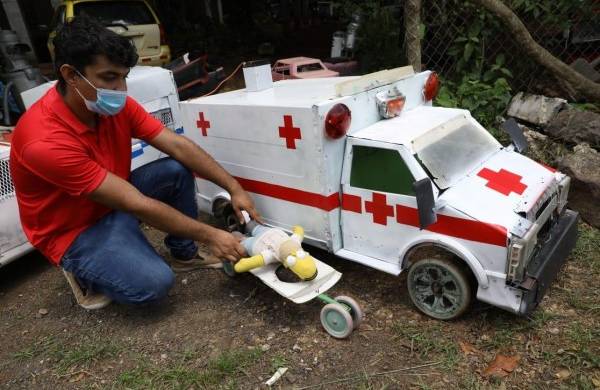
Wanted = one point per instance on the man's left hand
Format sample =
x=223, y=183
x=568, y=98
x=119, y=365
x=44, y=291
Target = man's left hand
x=240, y=200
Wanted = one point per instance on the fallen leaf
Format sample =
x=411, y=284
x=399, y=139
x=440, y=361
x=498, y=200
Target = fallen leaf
x=467, y=348
x=563, y=374
x=77, y=378
x=502, y=365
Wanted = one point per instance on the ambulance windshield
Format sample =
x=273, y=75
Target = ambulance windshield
x=454, y=149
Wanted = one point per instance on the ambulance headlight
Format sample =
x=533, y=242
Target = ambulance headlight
x=337, y=121
x=390, y=103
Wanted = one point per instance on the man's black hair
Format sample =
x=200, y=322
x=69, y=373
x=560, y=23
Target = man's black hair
x=79, y=41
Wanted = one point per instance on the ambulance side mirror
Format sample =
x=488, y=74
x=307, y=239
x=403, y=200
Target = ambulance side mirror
x=516, y=134
x=425, y=202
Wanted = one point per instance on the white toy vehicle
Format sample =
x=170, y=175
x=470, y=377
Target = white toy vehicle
x=153, y=87
x=378, y=176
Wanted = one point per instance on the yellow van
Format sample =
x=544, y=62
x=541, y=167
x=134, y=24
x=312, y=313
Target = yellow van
x=134, y=19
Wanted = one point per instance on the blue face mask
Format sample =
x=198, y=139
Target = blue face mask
x=108, y=102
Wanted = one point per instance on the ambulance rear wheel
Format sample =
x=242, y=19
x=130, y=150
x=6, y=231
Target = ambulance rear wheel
x=336, y=320
x=355, y=310
x=440, y=288
x=230, y=220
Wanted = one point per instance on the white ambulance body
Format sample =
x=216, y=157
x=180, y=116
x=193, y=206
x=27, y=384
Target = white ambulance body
x=153, y=87
x=498, y=213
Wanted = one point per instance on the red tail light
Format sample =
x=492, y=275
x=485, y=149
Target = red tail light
x=337, y=121
x=432, y=86
x=163, y=36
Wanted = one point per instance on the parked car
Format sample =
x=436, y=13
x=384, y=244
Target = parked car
x=300, y=68
x=134, y=19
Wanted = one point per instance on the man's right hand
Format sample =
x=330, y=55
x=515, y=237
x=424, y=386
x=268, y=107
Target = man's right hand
x=225, y=246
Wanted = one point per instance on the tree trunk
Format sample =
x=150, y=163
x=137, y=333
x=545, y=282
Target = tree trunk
x=412, y=35
x=559, y=69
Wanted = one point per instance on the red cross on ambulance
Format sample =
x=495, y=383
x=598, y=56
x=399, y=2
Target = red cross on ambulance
x=503, y=181
x=289, y=132
x=203, y=124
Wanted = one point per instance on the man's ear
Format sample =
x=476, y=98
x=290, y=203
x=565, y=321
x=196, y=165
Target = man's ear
x=68, y=74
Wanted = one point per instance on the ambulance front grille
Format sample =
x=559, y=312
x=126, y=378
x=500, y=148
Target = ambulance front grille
x=7, y=188
x=165, y=116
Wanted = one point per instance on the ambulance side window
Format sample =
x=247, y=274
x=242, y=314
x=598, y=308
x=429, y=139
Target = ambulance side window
x=380, y=169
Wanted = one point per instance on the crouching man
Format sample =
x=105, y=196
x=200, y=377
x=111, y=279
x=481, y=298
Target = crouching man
x=79, y=203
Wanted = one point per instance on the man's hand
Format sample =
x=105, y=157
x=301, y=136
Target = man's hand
x=225, y=246
x=240, y=200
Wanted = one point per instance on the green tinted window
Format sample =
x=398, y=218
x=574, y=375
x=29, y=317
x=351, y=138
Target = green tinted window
x=379, y=169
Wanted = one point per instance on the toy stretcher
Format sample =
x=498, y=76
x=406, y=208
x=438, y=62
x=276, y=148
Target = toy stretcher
x=272, y=248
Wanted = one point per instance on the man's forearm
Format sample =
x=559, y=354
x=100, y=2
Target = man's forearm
x=165, y=218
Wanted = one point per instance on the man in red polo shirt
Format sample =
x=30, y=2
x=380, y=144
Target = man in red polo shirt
x=79, y=203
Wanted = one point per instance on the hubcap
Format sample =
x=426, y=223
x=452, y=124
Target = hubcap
x=336, y=321
x=436, y=290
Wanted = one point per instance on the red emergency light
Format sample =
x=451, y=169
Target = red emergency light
x=337, y=121
x=432, y=87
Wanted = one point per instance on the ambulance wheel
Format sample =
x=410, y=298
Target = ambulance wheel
x=355, y=311
x=439, y=288
x=231, y=221
x=336, y=320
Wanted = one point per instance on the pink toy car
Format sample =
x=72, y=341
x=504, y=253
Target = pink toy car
x=300, y=68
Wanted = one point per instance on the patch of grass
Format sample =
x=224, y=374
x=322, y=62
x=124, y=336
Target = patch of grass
x=67, y=356
x=578, y=355
x=277, y=362
x=83, y=354
x=588, y=303
x=38, y=348
x=586, y=251
x=429, y=342
x=219, y=373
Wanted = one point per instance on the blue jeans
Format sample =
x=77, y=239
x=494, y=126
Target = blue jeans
x=113, y=257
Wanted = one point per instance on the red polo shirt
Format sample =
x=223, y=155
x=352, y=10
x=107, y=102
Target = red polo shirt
x=56, y=160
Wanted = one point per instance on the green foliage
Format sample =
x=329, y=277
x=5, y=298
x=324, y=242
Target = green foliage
x=485, y=100
x=379, y=46
x=556, y=13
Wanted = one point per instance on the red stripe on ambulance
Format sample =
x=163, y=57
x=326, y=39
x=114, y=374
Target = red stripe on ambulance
x=483, y=232
x=486, y=233
x=352, y=203
x=326, y=203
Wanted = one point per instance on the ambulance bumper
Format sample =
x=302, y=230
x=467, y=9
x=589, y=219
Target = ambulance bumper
x=543, y=269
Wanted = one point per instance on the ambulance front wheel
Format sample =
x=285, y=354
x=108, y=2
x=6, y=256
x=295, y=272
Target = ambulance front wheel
x=336, y=320
x=356, y=311
x=440, y=288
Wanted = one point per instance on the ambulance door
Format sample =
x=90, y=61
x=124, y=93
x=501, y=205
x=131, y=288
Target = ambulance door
x=378, y=200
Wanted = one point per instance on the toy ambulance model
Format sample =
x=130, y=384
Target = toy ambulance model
x=153, y=87
x=378, y=176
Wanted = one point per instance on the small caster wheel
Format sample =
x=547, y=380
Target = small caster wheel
x=355, y=310
x=336, y=320
x=228, y=269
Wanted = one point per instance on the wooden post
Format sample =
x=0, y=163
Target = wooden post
x=412, y=34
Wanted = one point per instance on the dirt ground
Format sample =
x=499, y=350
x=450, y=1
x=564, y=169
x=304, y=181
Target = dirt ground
x=219, y=332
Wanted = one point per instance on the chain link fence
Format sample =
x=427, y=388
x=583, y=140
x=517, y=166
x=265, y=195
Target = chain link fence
x=460, y=38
